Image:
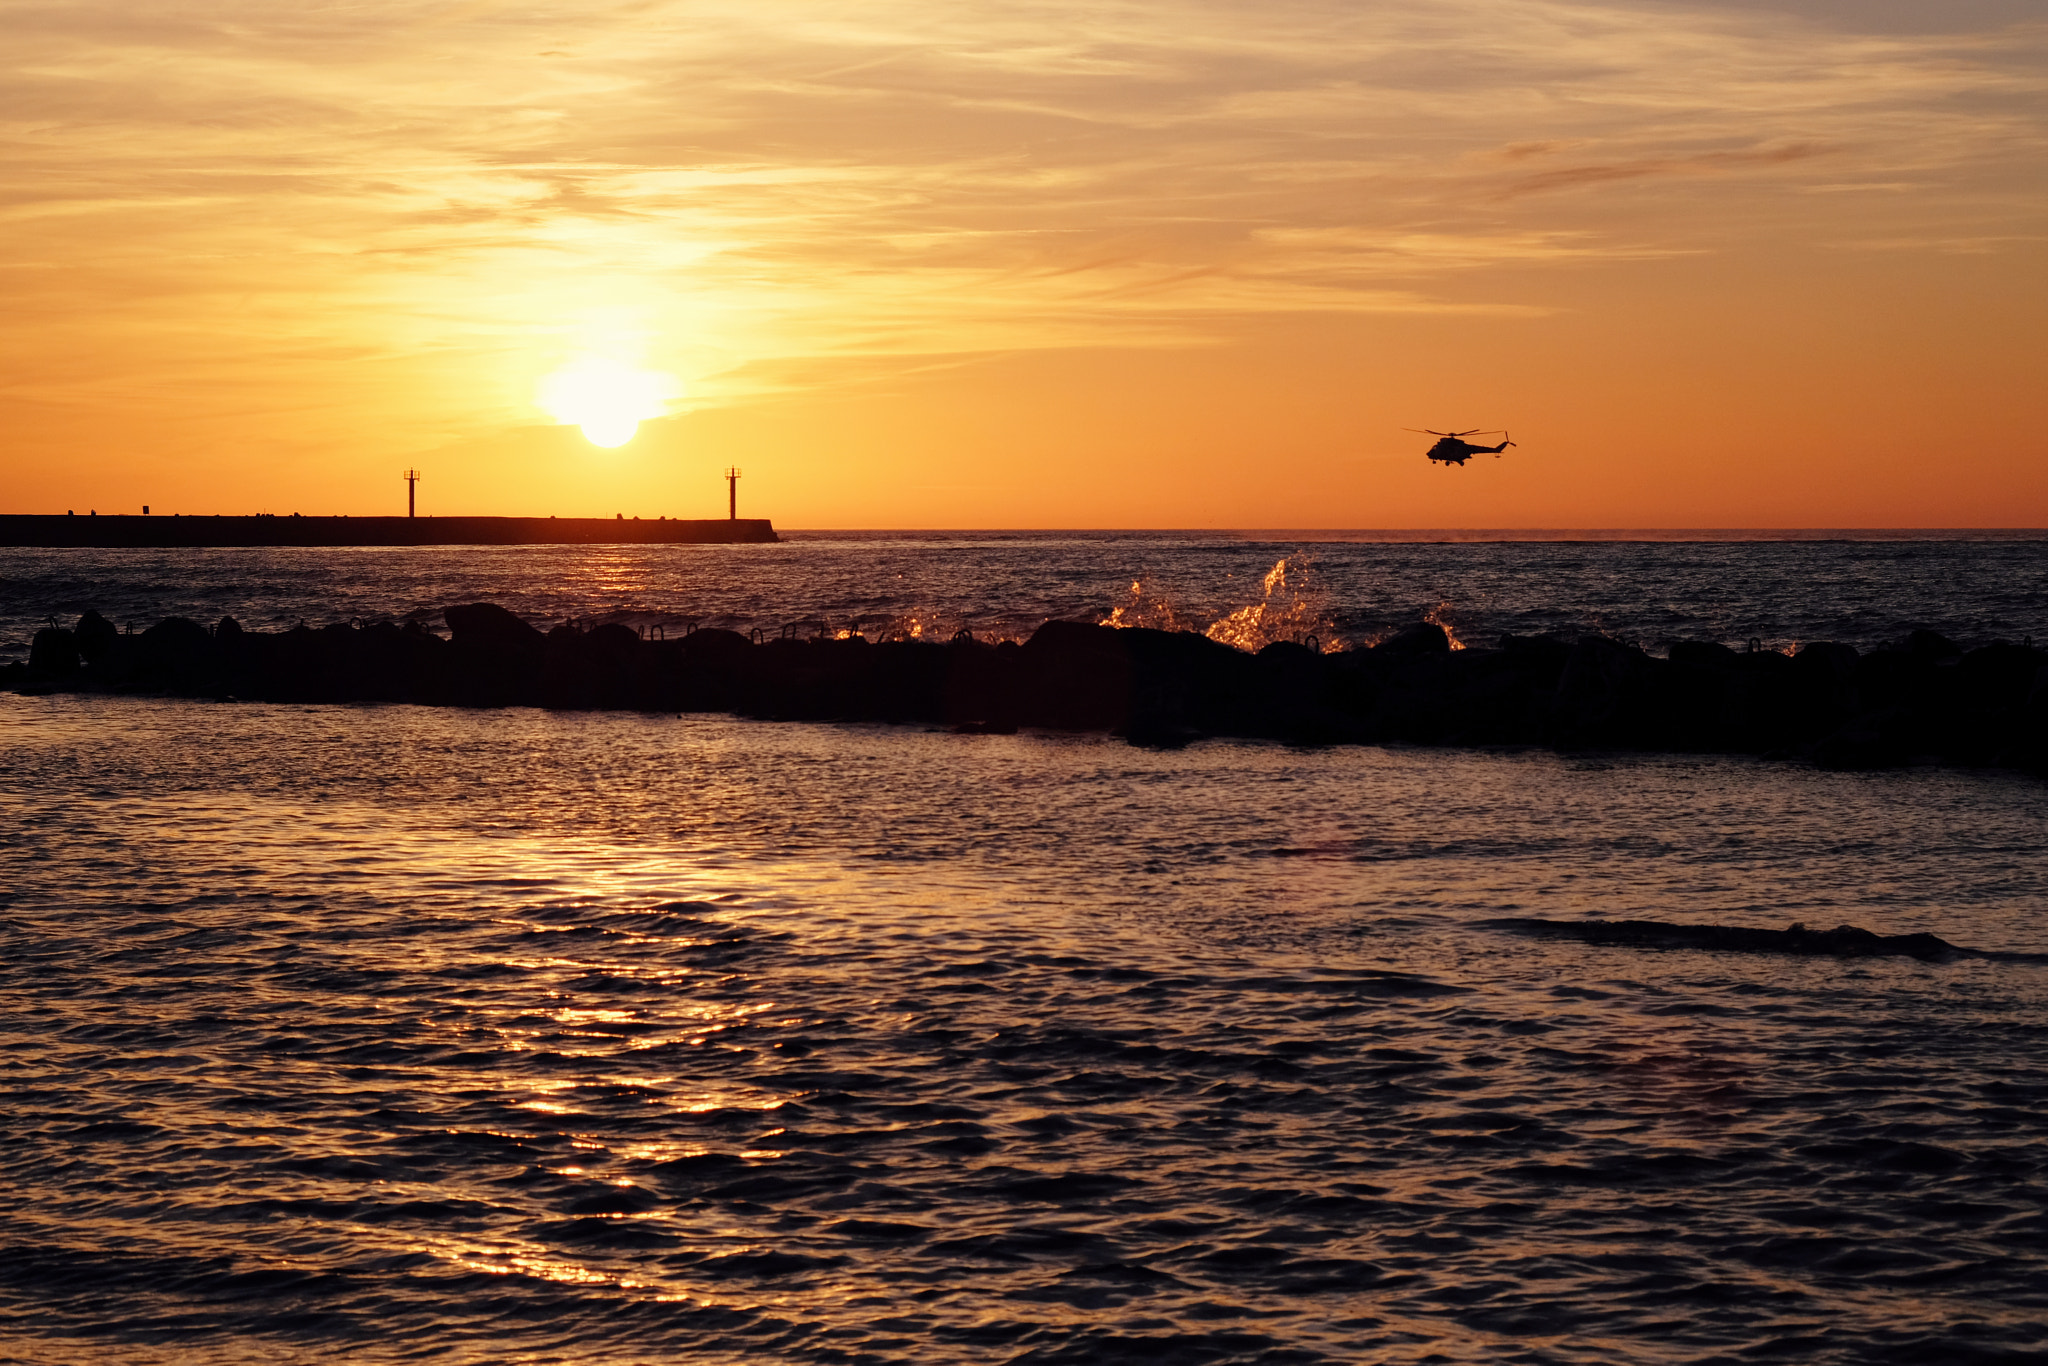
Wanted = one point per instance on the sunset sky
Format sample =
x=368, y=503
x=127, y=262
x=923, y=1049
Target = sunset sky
x=1185, y=263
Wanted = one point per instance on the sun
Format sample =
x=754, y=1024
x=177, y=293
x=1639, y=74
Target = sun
x=607, y=398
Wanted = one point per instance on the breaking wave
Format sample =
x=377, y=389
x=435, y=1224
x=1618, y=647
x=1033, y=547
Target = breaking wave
x=1295, y=607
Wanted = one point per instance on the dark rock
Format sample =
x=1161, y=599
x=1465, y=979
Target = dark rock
x=2029, y=748
x=1291, y=689
x=1553, y=648
x=1148, y=732
x=497, y=658
x=176, y=655
x=1075, y=676
x=97, y=640
x=1496, y=697
x=1825, y=685
x=1423, y=638
x=1931, y=645
x=1879, y=740
x=978, y=698
x=1704, y=656
x=53, y=653
x=488, y=626
x=1611, y=694
x=808, y=680
x=703, y=671
x=1844, y=941
x=604, y=668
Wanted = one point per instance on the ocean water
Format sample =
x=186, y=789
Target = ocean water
x=1972, y=586
x=393, y=1034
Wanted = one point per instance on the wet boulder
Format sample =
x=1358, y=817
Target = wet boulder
x=906, y=681
x=1884, y=738
x=1889, y=677
x=977, y=691
x=2029, y=743
x=1075, y=676
x=1398, y=689
x=1763, y=703
x=702, y=671
x=175, y=656
x=1704, y=656
x=808, y=680
x=1844, y=941
x=1183, y=680
x=1422, y=640
x=235, y=649
x=603, y=668
x=53, y=654
x=1296, y=697
x=1408, y=692
x=1931, y=645
x=1703, y=685
x=1825, y=685
x=379, y=661
x=1975, y=703
x=1495, y=697
x=497, y=658
x=1723, y=699
x=1610, y=693
x=97, y=640
x=286, y=666
x=485, y=625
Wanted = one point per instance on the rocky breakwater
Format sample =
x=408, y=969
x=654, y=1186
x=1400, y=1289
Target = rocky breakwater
x=1923, y=698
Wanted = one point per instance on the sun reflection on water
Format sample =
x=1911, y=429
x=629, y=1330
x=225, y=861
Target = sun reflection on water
x=788, y=1023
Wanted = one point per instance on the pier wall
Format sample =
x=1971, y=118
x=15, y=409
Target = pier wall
x=114, y=532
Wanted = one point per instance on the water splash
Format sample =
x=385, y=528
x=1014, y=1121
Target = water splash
x=1148, y=608
x=1440, y=615
x=1295, y=607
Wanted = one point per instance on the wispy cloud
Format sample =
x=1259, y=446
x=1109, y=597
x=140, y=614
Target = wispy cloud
x=284, y=189
x=1699, y=163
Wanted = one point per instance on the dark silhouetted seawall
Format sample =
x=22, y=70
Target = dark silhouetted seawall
x=115, y=532
x=1924, y=697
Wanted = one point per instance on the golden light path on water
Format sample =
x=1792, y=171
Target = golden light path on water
x=526, y=1033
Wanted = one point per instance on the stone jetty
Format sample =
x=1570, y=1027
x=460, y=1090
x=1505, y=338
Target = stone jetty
x=1922, y=699
x=193, y=533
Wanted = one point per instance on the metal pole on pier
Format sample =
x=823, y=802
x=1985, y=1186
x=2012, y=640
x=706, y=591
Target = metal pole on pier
x=732, y=494
x=412, y=479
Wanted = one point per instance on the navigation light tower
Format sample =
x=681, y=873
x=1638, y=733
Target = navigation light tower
x=732, y=494
x=412, y=479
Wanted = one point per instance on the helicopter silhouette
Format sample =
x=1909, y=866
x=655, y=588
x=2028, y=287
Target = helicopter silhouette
x=1455, y=450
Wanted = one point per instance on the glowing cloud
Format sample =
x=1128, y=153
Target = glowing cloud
x=607, y=398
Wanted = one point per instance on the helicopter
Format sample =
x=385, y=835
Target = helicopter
x=1455, y=450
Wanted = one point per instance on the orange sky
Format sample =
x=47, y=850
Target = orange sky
x=1052, y=264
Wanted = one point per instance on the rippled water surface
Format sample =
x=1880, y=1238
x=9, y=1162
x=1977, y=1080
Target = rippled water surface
x=391, y=1034
x=1863, y=592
